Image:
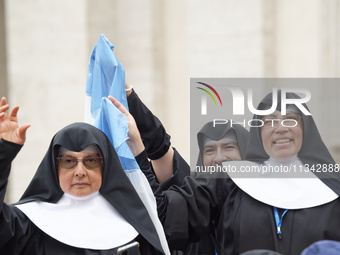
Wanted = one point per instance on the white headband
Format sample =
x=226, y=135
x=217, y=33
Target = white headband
x=292, y=108
x=89, y=149
x=229, y=137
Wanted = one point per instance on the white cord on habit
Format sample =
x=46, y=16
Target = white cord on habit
x=128, y=89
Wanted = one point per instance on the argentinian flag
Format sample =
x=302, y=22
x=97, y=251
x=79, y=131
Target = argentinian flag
x=106, y=76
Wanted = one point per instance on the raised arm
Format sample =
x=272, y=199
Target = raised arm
x=12, y=137
x=134, y=142
x=9, y=127
x=186, y=211
x=168, y=165
x=138, y=150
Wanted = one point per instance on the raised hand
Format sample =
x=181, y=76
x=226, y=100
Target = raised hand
x=9, y=128
x=135, y=141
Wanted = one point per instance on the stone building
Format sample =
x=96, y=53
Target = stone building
x=45, y=47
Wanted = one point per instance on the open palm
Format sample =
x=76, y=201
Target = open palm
x=9, y=128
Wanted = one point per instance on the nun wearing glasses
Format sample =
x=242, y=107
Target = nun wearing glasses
x=80, y=201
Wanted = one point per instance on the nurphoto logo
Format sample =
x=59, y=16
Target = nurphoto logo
x=238, y=99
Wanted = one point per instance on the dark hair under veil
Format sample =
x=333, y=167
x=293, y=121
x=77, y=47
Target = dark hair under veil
x=217, y=133
x=208, y=241
x=313, y=150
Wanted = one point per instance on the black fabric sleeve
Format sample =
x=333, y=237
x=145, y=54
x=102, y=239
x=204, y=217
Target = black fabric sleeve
x=181, y=169
x=14, y=226
x=154, y=136
x=161, y=199
x=8, y=151
x=191, y=208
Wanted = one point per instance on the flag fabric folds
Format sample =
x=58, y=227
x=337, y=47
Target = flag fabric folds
x=114, y=124
x=106, y=76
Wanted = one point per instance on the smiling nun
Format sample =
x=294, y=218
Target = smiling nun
x=273, y=211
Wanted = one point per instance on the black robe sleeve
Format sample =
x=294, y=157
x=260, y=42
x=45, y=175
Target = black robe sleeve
x=161, y=200
x=187, y=211
x=154, y=136
x=156, y=140
x=192, y=207
x=15, y=231
x=181, y=169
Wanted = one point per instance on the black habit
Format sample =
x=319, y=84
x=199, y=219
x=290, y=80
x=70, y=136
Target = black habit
x=245, y=223
x=18, y=235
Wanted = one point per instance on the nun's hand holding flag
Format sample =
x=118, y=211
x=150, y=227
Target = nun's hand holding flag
x=106, y=77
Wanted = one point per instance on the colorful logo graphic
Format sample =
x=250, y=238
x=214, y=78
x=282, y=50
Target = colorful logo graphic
x=209, y=93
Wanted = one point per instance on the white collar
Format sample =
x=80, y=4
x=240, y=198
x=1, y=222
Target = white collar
x=291, y=160
x=282, y=191
x=89, y=222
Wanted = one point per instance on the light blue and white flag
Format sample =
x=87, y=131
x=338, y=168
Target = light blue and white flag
x=106, y=76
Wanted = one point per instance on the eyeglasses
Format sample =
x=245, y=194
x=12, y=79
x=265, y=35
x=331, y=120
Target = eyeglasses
x=287, y=121
x=71, y=162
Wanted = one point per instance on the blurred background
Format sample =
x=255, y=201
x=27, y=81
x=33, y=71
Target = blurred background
x=45, y=46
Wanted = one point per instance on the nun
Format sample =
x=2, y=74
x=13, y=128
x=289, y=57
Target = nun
x=216, y=144
x=220, y=143
x=79, y=201
x=279, y=212
x=297, y=205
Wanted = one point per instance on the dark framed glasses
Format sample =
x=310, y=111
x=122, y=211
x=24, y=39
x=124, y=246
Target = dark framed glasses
x=90, y=162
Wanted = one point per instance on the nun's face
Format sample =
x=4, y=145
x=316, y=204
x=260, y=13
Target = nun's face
x=282, y=139
x=216, y=152
x=80, y=173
